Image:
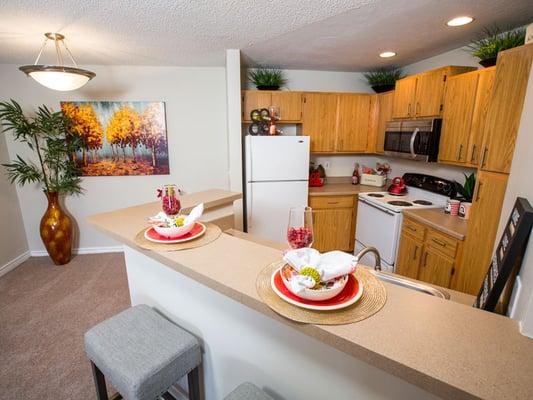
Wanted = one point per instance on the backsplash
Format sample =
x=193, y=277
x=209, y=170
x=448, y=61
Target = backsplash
x=342, y=165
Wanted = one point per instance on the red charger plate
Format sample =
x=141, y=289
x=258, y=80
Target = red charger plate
x=198, y=230
x=349, y=295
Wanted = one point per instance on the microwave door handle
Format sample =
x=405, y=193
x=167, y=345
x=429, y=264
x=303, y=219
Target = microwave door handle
x=412, y=143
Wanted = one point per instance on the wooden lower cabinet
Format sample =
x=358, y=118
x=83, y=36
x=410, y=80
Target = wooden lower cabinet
x=409, y=256
x=333, y=222
x=427, y=254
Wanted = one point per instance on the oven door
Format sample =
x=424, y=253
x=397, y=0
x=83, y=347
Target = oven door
x=378, y=227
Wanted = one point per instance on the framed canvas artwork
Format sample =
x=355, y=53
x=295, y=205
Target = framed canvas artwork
x=119, y=137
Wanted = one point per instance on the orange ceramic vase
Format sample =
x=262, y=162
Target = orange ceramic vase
x=56, y=231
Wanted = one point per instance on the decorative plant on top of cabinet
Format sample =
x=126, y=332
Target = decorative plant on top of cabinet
x=47, y=135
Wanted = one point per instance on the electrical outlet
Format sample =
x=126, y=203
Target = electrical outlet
x=326, y=164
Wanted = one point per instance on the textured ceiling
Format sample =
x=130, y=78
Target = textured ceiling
x=313, y=34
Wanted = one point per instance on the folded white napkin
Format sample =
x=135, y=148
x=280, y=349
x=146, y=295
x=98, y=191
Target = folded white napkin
x=194, y=215
x=330, y=265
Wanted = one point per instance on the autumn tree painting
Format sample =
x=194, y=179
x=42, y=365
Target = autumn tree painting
x=119, y=138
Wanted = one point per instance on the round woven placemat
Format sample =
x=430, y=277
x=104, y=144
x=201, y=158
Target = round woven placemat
x=373, y=299
x=211, y=233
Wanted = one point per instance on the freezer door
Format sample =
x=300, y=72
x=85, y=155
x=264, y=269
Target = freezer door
x=268, y=206
x=277, y=158
x=379, y=228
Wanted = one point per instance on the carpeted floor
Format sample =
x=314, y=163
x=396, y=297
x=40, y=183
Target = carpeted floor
x=44, y=312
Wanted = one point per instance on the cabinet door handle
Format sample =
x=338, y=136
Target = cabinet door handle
x=409, y=110
x=417, y=109
x=485, y=150
x=415, y=250
x=439, y=242
x=473, y=156
x=459, y=152
x=424, y=262
x=478, y=191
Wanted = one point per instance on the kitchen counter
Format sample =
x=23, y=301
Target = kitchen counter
x=445, y=348
x=338, y=186
x=437, y=219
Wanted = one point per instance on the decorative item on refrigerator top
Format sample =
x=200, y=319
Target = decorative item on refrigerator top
x=264, y=121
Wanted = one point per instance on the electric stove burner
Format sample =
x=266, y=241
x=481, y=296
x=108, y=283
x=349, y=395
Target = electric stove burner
x=375, y=195
x=399, y=203
x=423, y=202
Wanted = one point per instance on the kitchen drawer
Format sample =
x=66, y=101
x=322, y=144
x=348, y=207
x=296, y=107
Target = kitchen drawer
x=413, y=228
x=443, y=243
x=319, y=202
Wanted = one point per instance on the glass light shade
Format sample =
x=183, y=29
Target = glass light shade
x=58, y=77
x=459, y=21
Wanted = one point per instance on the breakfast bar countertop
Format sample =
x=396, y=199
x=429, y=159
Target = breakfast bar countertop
x=446, y=348
x=437, y=219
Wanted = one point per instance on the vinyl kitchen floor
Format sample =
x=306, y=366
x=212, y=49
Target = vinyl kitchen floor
x=44, y=312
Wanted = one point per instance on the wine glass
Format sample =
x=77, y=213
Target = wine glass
x=300, y=229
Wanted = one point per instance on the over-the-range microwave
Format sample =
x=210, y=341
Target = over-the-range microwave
x=413, y=139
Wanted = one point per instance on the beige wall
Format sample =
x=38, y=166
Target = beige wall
x=197, y=133
x=13, y=242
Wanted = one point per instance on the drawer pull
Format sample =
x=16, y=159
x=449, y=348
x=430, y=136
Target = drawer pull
x=411, y=228
x=332, y=202
x=439, y=242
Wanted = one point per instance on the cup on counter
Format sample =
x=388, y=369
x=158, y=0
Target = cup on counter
x=464, y=209
x=452, y=207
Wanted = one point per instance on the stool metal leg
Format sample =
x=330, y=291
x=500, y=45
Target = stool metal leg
x=193, y=379
x=99, y=382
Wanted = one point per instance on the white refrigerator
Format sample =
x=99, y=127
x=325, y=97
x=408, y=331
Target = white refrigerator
x=277, y=174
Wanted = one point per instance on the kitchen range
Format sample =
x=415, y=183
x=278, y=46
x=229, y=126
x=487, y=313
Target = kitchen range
x=379, y=214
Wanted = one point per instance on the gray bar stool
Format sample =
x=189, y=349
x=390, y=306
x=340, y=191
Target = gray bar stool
x=248, y=391
x=142, y=354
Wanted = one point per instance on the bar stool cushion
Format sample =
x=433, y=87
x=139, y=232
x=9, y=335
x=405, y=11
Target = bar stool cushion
x=248, y=391
x=141, y=353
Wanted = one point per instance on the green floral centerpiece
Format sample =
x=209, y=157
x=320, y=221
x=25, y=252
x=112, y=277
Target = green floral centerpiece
x=493, y=41
x=383, y=79
x=267, y=78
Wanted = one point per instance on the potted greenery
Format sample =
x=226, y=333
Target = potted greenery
x=466, y=191
x=383, y=79
x=267, y=78
x=493, y=41
x=47, y=136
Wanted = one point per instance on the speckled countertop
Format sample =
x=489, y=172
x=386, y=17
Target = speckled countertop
x=449, y=349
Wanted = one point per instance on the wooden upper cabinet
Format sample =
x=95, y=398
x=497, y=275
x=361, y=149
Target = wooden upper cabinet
x=459, y=104
x=384, y=105
x=483, y=99
x=503, y=116
x=254, y=99
x=353, y=122
x=429, y=93
x=319, y=120
x=290, y=105
x=481, y=231
x=404, y=95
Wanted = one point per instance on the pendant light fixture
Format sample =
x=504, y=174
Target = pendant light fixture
x=58, y=77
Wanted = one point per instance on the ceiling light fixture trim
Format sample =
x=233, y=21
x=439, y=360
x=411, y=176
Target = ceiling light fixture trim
x=387, y=54
x=58, y=77
x=460, y=21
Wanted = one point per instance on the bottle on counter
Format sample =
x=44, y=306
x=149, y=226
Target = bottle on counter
x=356, y=179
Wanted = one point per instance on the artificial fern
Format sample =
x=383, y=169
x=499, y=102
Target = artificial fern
x=48, y=136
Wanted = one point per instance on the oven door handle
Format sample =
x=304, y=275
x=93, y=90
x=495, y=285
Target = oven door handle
x=412, y=142
x=376, y=206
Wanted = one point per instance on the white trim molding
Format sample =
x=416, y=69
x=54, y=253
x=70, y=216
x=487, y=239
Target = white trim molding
x=84, y=250
x=14, y=263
